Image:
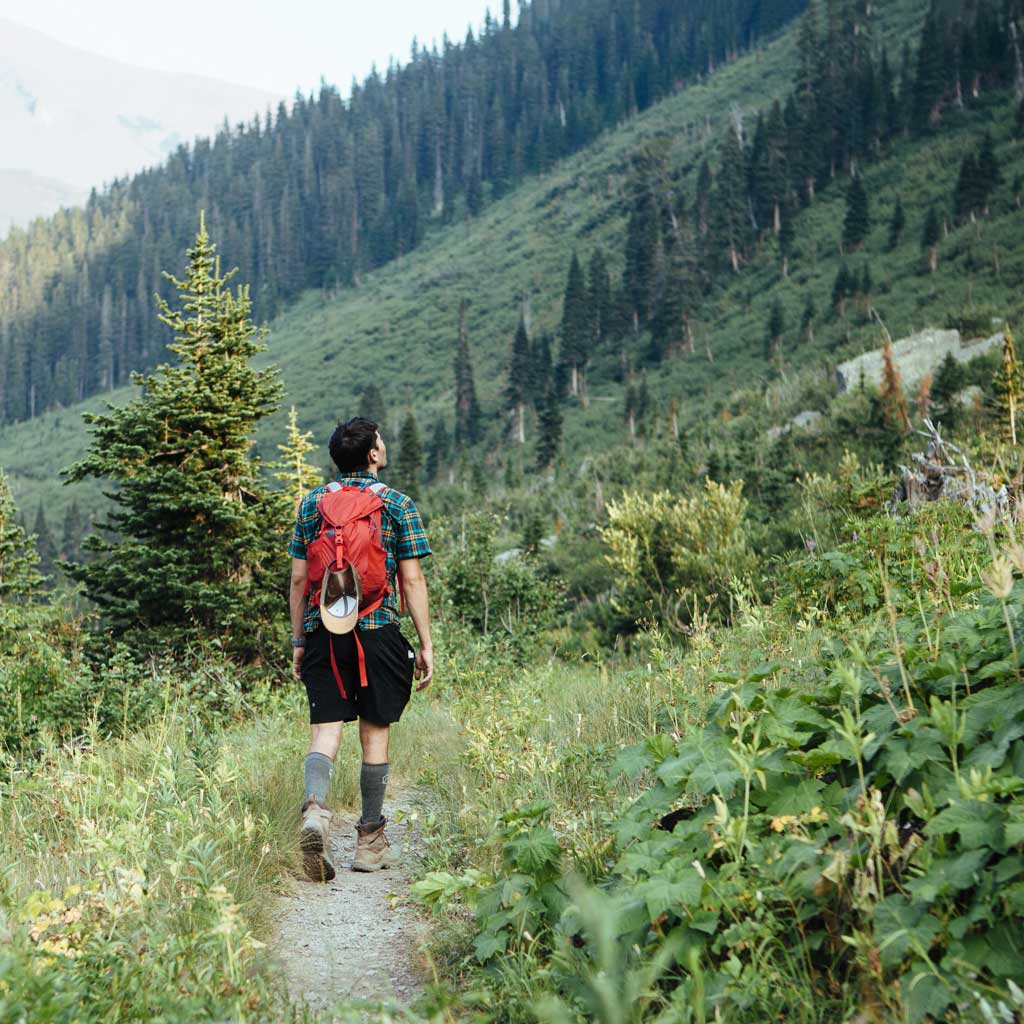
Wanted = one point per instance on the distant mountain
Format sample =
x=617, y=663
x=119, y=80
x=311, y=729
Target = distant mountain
x=73, y=120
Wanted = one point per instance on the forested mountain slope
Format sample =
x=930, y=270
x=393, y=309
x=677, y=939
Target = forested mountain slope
x=780, y=313
x=320, y=193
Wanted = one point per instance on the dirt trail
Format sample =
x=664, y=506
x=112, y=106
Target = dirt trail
x=356, y=937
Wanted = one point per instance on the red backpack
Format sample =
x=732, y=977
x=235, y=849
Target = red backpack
x=350, y=535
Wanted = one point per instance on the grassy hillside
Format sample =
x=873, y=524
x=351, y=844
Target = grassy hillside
x=400, y=325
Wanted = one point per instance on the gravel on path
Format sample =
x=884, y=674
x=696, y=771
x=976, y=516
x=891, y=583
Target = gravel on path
x=356, y=937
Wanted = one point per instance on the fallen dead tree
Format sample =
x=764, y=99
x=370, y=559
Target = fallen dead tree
x=944, y=473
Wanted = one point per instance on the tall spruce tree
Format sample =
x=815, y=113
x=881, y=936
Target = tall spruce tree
x=45, y=545
x=946, y=387
x=188, y=542
x=518, y=388
x=897, y=223
x=575, y=333
x=467, y=409
x=1008, y=385
x=857, y=222
x=371, y=405
x=807, y=318
x=775, y=329
x=409, y=462
x=549, y=428
x=730, y=231
x=19, y=561
x=439, y=449
x=71, y=533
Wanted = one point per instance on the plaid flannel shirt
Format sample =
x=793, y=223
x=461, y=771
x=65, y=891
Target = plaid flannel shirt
x=401, y=532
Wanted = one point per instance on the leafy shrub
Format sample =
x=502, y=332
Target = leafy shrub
x=56, y=679
x=673, y=556
x=495, y=596
x=805, y=852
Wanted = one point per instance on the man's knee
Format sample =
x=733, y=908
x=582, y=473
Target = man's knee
x=373, y=738
x=325, y=738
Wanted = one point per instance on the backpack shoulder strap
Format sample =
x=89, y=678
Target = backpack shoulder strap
x=378, y=488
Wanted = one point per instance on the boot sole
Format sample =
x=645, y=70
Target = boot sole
x=317, y=867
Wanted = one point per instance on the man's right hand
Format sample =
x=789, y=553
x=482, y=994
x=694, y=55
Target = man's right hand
x=424, y=667
x=297, y=653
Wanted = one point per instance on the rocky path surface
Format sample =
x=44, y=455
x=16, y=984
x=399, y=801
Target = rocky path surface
x=356, y=937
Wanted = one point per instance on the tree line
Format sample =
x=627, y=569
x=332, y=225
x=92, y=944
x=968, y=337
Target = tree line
x=316, y=194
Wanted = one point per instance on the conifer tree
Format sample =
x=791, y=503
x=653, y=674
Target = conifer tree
x=775, y=329
x=858, y=215
x=930, y=237
x=946, y=388
x=188, y=540
x=19, y=575
x=1009, y=386
x=897, y=223
x=894, y=401
x=599, y=299
x=371, y=405
x=45, y=546
x=518, y=387
x=731, y=226
x=295, y=472
x=438, y=449
x=549, y=428
x=807, y=318
x=842, y=289
x=71, y=534
x=409, y=463
x=467, y=409
x=575, y=327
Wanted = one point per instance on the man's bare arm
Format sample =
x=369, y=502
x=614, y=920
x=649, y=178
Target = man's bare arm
x=297, y=609
x=414, y=587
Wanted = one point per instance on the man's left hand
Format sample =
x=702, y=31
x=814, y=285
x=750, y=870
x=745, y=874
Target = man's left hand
x=424, y=667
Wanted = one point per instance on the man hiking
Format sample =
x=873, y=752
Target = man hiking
x=355, y=550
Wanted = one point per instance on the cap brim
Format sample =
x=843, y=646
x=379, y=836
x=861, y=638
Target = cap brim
x=339, y=600
x=341, y=614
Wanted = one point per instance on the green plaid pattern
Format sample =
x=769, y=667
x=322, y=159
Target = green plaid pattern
x=401, y=531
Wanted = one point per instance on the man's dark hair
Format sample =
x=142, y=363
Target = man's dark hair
x=351, y=443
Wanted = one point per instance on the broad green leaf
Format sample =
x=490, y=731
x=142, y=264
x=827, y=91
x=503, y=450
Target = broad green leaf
x=978, y=824
x=949, y=874
x=487, y=945
x=661, y=895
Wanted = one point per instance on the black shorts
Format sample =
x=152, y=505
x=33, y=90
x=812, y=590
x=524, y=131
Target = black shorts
x=390, y=663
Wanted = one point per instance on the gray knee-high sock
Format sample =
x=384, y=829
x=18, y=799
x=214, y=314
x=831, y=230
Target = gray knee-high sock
x=373, y=781
x=318, y=770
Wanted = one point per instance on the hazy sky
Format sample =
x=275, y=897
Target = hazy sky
x=273, y=44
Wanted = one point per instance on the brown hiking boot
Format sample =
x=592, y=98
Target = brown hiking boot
x=373, y=851
x=313, y=841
